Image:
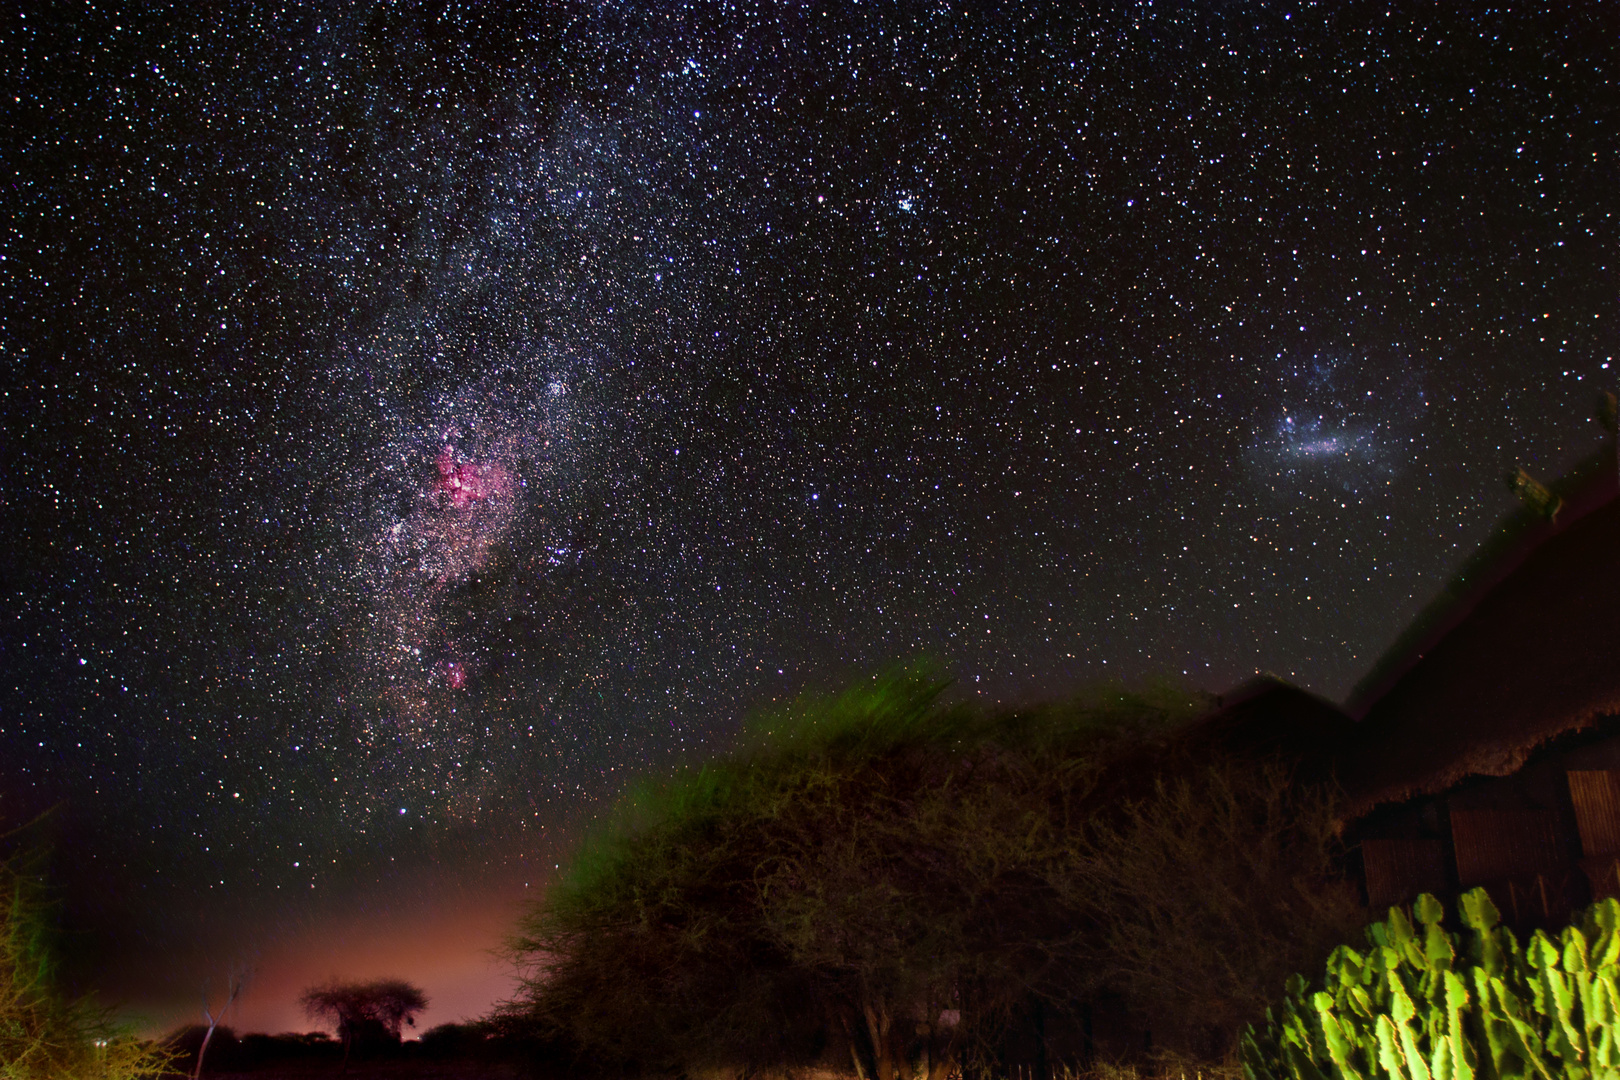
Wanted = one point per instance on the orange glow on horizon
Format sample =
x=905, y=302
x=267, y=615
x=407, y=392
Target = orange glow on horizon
x=450, y=950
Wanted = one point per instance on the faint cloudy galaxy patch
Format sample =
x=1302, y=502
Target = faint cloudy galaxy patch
x=1340, y=421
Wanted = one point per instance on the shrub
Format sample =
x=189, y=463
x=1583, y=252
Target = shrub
x=454, y=1040
x=1423, y=1003
x=891, y=883
x=257, y=1050
x=1206, y=890
x=43, y=1033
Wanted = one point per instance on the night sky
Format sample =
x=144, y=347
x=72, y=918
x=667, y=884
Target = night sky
x=419, y=421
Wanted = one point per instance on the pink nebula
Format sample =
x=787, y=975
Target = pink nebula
x=467, y=482
x=455, y=674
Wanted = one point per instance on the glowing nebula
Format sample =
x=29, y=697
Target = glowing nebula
x=452, y=518
x=458, y=514
x=468, y=482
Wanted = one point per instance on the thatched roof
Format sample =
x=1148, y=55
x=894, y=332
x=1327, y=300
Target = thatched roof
x=1269, y=716
x=1589, y=484
x=1536, y=657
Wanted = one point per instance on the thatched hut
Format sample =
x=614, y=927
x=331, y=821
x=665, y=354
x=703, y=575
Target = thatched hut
x=1493, y=756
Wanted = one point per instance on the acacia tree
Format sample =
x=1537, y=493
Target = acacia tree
x=909, y=890
x=908, y=878
x=354, y=1007
x=652, y=952
x=648, y=955
x=1206, y=891
x=868, y=865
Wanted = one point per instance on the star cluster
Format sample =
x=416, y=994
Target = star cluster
x=420, y=419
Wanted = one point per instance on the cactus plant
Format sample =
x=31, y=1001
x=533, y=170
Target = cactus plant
x=1423, y=1003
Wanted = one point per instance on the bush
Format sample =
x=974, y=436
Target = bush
x=256, y=1049
x=43, y=1033
x=1206, y=890
x=449, y=1041
x=883, y=881
x=1423, y=1003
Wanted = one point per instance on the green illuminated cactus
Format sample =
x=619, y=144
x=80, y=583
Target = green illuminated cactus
x=1423, y=1003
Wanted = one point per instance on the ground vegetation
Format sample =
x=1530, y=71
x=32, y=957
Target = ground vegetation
x=1422, y=1001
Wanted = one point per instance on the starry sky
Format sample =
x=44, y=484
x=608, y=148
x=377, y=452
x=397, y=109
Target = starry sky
x=420, y=419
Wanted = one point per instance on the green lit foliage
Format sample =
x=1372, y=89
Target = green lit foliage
x=1423, y=1003
x=671, y=942
x=45, y=1035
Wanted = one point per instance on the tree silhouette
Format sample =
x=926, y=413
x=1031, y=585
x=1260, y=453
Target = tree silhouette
x=355, y=1007
x=912, y=879
x=234, y=982
x=873, y=865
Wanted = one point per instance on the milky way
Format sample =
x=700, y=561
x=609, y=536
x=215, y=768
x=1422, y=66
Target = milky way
x=417, y=422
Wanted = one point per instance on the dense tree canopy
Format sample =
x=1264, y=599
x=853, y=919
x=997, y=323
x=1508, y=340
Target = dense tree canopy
x=895, y=880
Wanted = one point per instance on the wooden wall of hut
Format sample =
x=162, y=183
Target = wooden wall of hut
x=1595, y=794
x=1543, y=841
